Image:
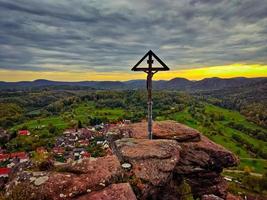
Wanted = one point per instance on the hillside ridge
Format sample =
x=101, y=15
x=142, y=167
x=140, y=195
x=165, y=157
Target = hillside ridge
x=213, y=83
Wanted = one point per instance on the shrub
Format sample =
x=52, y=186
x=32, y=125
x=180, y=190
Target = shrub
x=184, y=191
x=247, y=170
x=46, y=165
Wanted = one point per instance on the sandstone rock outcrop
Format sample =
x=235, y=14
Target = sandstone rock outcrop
x=153, y=161
x=161, y=130
x=121, y=191
x=214, y=197
x=200, y=160
x=72, y=180
x=201, y=164
x=179, y=161
x=232, y=197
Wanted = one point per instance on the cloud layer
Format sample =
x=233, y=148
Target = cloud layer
x=110, y=36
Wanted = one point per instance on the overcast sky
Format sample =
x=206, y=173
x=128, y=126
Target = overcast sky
x=112, y=35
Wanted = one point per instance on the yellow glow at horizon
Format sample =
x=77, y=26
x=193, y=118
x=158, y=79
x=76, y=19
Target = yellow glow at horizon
x=224, y=71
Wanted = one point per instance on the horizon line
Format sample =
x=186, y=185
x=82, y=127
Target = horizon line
x=69, y=81
x=221, y=71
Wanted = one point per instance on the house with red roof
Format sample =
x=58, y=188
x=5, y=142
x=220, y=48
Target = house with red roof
x=85, y=154
x=4, y=157
x=24, y=132
x=4, y=171
x=22, y=156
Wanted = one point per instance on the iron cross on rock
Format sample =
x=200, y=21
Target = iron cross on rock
x=150, y=72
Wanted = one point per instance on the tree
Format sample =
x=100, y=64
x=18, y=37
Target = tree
x=184, y=191
x=52, y=129
x=247, y=170
x=79, y=124
x=263, y=182
x=95, y=121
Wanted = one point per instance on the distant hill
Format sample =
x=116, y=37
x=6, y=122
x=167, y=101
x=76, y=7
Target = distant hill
x=249, y=97
x=177, y=84
x=218, y=83
x=47, y=83
x=173, y=84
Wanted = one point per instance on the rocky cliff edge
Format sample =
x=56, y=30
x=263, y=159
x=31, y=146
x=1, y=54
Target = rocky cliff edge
x=179, y=161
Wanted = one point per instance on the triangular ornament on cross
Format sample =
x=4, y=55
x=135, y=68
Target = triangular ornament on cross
x=150, y=72
x=150, y=55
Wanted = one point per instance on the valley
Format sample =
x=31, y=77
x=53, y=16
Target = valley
x=47, y=113
x=218, y=124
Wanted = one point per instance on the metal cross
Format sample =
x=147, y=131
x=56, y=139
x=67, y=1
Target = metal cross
x=150, y=72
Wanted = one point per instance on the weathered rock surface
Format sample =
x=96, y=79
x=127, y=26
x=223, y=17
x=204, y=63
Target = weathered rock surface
x=207, y=183
x=219, y=156
x=233, y=197
x=201, y=164
x=214, y=197
x=210, y=197
x=161, y=130
x=90, y=174
x=74, y=180
x=121, y=191
x=152, y=160
x=200, y=160
x=155, y=169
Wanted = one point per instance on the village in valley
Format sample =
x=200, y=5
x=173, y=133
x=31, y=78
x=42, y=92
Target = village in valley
x=72, y=145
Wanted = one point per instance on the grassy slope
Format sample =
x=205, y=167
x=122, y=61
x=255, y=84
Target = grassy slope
x=225, y=139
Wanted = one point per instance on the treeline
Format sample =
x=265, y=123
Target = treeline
x=135, y=102
x=10, y=114
x=250, y=101
x=206, y=119
x=254, y=183
x=61, y=105
x=17, y=107
x=256, y=112
x=257, y=150
x=256, y=133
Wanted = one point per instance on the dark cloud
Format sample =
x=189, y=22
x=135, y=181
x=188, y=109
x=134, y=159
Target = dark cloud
x=110, y=36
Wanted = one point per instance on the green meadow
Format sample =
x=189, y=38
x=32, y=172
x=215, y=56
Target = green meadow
x=82, y=112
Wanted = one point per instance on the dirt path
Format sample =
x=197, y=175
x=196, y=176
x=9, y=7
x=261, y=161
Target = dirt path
x=240, y=172
x=253, y=159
